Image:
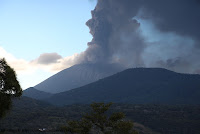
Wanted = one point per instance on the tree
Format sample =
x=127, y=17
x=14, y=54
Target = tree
x=9, y=87
x=98, y=122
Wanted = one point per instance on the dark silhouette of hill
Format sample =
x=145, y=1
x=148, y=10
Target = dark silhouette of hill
x=30, y=114
x=29, y=103
x=138, y=86
x=36, y=94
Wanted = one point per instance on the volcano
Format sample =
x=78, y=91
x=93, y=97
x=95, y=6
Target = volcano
x=77, y=76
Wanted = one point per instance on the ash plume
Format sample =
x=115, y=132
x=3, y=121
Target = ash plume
x=118, y=36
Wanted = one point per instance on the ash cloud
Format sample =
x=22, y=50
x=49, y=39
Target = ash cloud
x=118, y=35
x=48, y=58
x=180, y=16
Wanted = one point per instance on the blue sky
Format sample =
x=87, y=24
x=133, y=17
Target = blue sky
x=39, y=38
x=29, y=28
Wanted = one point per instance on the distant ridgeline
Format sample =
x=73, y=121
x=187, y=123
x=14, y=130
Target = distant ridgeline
x=36, y=94
x=135, y=86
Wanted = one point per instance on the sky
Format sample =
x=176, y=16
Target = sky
x=32, y=29
x=39, y=38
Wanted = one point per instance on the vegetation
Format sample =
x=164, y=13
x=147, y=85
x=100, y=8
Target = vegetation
x=32, y=115
x=98, y=122
x=9, y=87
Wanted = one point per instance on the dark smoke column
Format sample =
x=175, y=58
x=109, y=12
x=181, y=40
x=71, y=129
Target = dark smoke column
x=117, y=35
x=111, y=27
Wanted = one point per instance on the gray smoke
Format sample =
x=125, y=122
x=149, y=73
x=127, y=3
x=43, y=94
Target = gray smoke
x=48, y=58
x=118, y=36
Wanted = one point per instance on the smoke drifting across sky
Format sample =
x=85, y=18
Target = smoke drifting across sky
x=133, y=33
x=147, y=33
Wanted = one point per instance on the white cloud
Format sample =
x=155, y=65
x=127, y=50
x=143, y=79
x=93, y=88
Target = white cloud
x=20, y=65
x=51, y=63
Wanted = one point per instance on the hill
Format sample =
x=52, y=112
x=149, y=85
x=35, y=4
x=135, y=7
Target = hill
x=30, y=115
x=77, y=76
x=36, y=94
x=29, y=103
x=138, y=86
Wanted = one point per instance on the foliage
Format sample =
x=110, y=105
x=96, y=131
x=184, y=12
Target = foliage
x=32, y=114
x=9, y=86
x=5, y=103
x=98, y=122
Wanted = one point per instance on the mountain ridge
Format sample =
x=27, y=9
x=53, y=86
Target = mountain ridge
x=77, y=76
x=138, y=85
x=36, y=94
